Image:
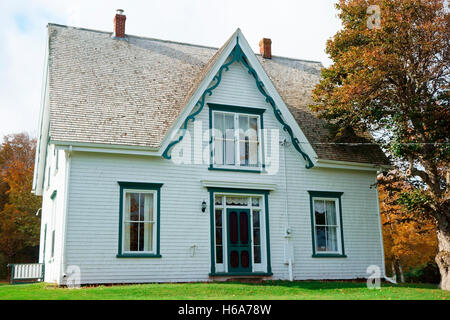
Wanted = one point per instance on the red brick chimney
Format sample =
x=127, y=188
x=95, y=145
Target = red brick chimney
x=265, y=48
x=119, y=24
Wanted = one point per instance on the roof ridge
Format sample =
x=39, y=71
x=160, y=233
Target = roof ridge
x=133, y=36
x=171, y=41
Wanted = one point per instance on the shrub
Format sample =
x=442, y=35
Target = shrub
x=426, y=273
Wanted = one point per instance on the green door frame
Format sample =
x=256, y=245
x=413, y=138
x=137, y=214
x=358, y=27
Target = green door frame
x=265, y=194
x=239, y=247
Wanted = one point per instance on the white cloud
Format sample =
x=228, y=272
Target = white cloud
x=298, y=29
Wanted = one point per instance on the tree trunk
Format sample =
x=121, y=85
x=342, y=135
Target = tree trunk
x=443, y=256
x=400, y=270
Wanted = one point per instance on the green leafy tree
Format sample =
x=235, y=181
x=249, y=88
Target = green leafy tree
x=390, y=76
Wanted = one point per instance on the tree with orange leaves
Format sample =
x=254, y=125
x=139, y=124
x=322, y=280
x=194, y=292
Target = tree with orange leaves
x=19, y=225
x=409, y=237
x=390, y=76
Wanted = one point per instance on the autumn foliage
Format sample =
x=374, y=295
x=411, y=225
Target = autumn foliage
x=409, y=237
x=19, y=225
x=391, y=76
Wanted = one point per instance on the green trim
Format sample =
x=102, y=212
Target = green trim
x=138, y=255
x=237, y=55
x=236, y=109
x=266, y=210
x=234, y=190
x=142, y=186
x=236, y=170
x=212, y=231
x=239, y=248
x=326, y=194
x=265, y=193
x=53, y=195
x=329, y=255
x=225, y=274
x=242, y=110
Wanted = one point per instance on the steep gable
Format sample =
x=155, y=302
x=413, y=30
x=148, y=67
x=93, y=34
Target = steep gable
x=132, y=93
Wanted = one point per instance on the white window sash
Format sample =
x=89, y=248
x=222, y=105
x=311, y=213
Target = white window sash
x=154, y=222
x=237, y=160
x=337, y=225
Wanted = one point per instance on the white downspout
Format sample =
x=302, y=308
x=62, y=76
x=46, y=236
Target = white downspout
x=66, y=206
x=287, y=236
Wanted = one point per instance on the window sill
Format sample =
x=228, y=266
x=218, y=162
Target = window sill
x=233, y=274
x=137, y=255
x=329, y=255
x=258, y=170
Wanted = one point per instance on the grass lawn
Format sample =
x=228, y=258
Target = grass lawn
x=316, y=290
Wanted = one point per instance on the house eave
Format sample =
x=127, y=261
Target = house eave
x=106, y=148
x=336, y=164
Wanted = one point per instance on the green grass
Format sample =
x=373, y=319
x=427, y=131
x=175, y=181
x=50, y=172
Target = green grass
x=316, y=290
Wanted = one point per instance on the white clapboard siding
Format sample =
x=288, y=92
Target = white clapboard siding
x=93, y=209
x=57, y=183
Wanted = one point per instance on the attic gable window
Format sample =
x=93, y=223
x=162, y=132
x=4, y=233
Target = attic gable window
x=236, y=138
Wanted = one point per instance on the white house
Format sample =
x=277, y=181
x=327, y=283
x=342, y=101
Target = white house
x=137, y=188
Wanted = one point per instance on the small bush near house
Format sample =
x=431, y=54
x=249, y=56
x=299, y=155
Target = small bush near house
x=426, y=273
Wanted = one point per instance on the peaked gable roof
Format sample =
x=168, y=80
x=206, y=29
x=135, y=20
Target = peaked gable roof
x=131, y=92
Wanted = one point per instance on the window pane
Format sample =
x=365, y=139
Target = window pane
x=257, y=254
x=233, y=227
x=253, y=132
x=319, y=211
x=244, y=151
x=331, y=212
x=256, y=219
x=138, y=235
x=141, y=237
x=236, y=201
x=253, y=153
x=255, y=202
x=218, y=125
x=218, y=200
x=218, y=151
x=229, y=135
x=218, y=218
x=229, y=122
x=257, y=236
x=229, y=148
x=218, y=236
x=321, y=239
x=219, y=254
x=243, y=227
x=134, y=206
x=141, y=207
x=133, y=235
x=243, y=126
x=331, y=239
x=148, y=236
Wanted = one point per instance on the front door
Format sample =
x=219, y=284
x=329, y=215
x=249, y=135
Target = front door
x=239, y=240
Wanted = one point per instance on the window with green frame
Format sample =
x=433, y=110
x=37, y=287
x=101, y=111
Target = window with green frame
x=326, y=224
x=236, y=142
x=139, y=219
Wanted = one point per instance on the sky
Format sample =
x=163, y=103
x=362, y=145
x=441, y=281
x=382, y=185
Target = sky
x=298, y=29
